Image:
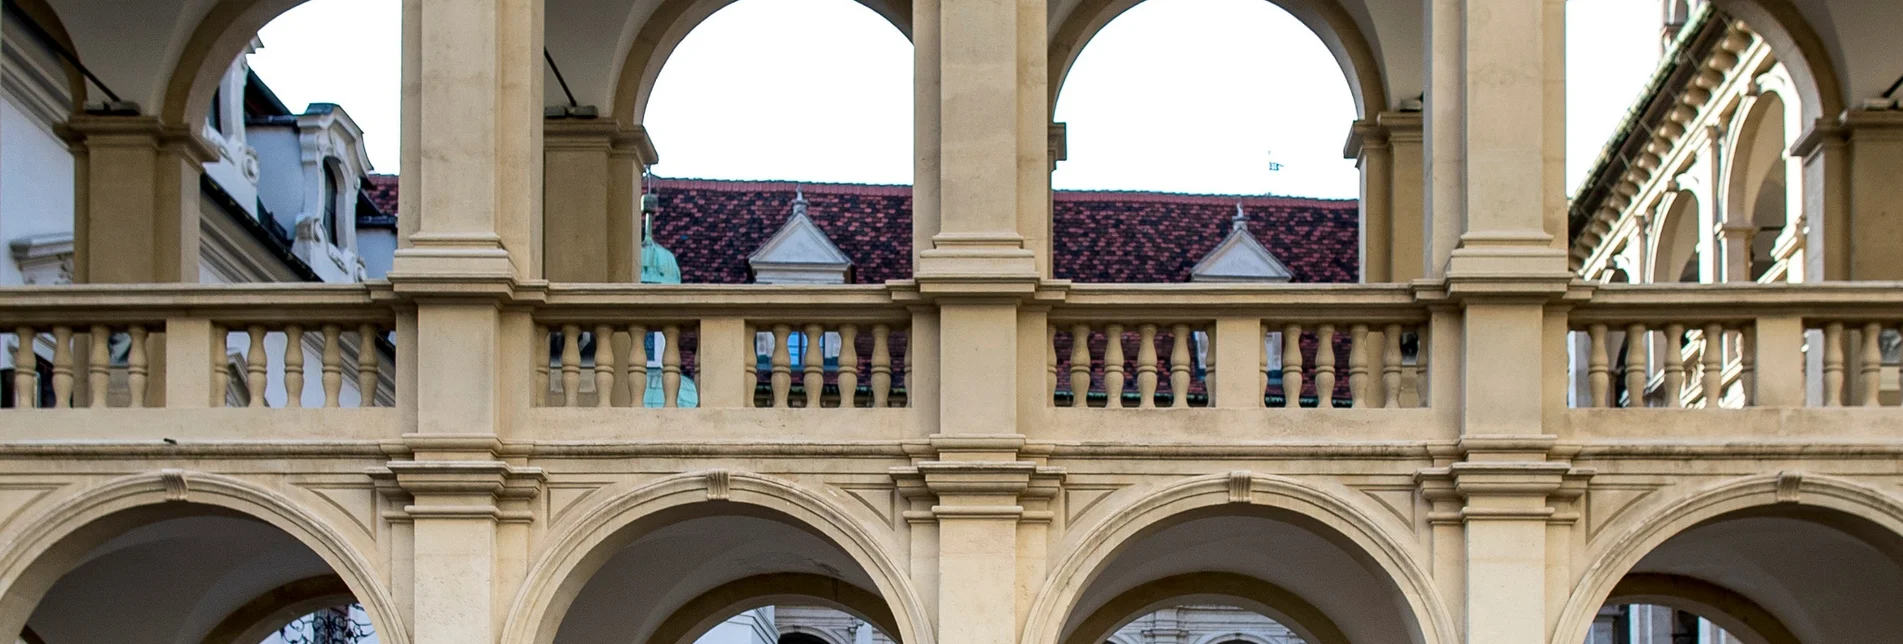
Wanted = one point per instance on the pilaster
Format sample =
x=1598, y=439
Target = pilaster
x=465, y=519
x=1876, y=196
x=1515, y=571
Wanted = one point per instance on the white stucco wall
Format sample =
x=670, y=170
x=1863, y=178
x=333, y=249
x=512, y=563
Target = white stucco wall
x=36, y=182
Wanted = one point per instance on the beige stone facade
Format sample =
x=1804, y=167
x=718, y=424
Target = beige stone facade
x=1491, y=460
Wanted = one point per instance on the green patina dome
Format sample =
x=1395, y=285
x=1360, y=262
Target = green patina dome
x=658, y=265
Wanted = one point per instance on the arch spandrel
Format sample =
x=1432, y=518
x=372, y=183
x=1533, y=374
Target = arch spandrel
x=1638, y=531
x=583, y=542
x=1330, y=20
x=38, y=550
x=1358, y=529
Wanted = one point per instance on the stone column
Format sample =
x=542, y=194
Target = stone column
x=137, y=210
x=1387, y=149
x=1876, y=195
x=473, y=93
x=591, y=214
x=1496, y=106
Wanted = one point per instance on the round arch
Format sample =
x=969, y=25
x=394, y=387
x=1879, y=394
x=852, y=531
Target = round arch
x=1330, y=21
x=670, y=23
x=42, y=14
x=1635, y=533
x=1243, y=591
x=278, y=607
x=701, y=614
x=1735, y=613
x=1797, y=45
x=582, y=545
x=220, y=37
x=1372, y=533
x=50, y=543
x=1675, y=236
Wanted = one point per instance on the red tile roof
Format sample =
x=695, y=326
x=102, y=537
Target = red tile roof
x=381, y=189
x=711, y=226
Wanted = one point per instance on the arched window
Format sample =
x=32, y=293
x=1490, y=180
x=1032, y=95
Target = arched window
x=333, y=200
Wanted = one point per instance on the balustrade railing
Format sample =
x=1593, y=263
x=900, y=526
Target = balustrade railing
x=616, y=364
x=1733, y=346
x=1326, y=346
x=199, y=346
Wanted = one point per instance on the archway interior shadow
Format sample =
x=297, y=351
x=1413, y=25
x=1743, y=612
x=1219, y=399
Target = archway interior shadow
x=177, y=572
x=675, y=574
x=1315, y=580
x=1779, y=574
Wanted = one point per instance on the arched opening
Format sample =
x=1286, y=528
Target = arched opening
x=793, y=623
x=1768, y=560
x=1677, y=255
x=1760, y=180
x=666, y=562
x=1206, y=623
x=743, y=97
x=184, y=572
x=1239, y=97
x=1323, y=567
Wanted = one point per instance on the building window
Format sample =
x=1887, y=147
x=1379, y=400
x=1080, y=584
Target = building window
x=332, y=195
x=217, y=116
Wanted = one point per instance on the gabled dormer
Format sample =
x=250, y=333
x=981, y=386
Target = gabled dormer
x=800, y=253
x=1240, y=258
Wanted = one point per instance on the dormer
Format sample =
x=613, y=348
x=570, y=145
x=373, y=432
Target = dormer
x=800, y=253
x=1240, y=258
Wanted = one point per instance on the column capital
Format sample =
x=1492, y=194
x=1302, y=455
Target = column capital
x=605, y=135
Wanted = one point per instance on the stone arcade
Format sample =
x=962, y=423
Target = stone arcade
x=1488, y=440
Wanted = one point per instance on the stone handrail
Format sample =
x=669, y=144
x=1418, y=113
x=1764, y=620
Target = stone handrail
x=743, y=346
x=1238, y=346
x=1779, y=345
x=187, y=346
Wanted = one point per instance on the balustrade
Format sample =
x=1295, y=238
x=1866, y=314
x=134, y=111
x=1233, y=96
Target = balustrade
x=1823, y=345
x=815, y=365
x=1373, y=355
x=618, y=364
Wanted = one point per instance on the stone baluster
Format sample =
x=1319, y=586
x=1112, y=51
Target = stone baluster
x=571, y=365
x=1292, y=366
x=1636, y=368
x=138, y=366
x=1113, y=360
x=604, y=365
x=1713, y=380
x=367, y=365
x=1598, y=379
x=848, y=365
x=1870, y=369
x=293, y=366
x=1050, y=362
x=541, y=342
x=257, y=365
x=882, y=365
x=1325, y=365
x=1834, y=364
x=220, y=366
x=1262, y=387
x=1180, y=370
x=1421, y=352
x=750, y=372
x=62, y=367
x=909, y=345
x=782, y=378
x=1674, y=379
x=814, y=374
x=99, y=366
x=1358, y=366
x=1390, y=367
x=1080, y=366
x=334, y=365
x=636, y=371
x=1146, y=366
x=671, y=366
x=1747, y=364
x=25, y=374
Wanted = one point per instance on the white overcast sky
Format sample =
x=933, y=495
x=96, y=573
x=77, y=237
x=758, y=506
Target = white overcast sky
x=1174, y=95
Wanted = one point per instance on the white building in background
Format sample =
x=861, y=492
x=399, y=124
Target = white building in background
x=290, y=198
x=793, y=625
